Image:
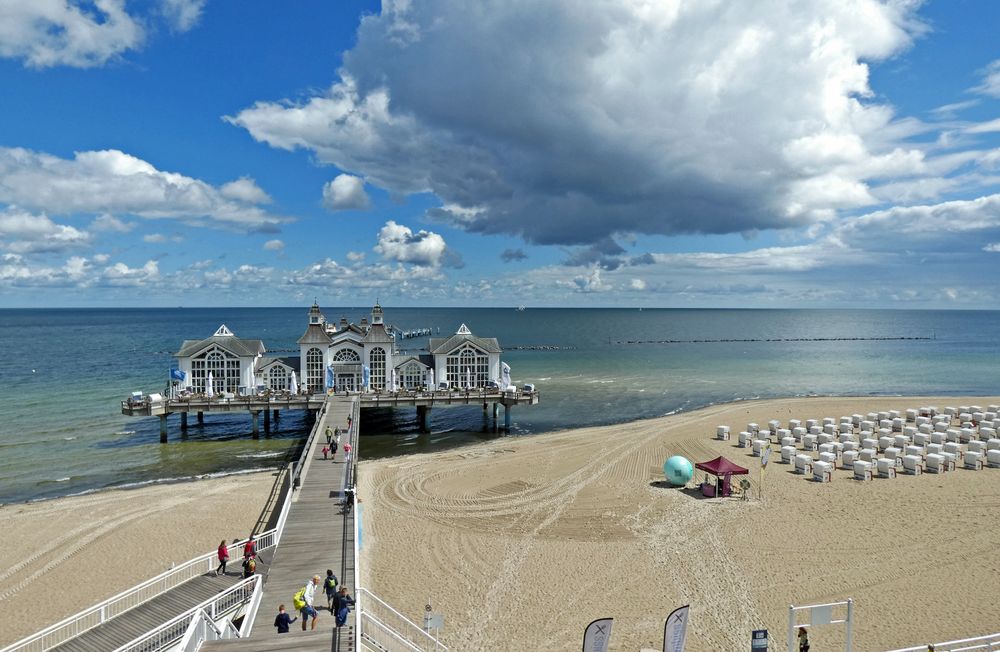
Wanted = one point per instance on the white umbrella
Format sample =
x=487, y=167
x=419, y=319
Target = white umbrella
x=392, y=382
x=430, y=378
x=293, y=385
x=468, y=378
x=209, y=390
x=504, y=375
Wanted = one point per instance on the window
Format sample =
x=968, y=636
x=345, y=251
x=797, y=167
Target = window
x=224, y=367
x=277, y=377
x=347, y=367
x=346, y=355
x=314, y=370
x=468, y=363
x=412, y=375
x=377, y=361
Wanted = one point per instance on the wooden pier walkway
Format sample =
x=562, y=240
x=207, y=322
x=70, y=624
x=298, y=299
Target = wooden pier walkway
x=150, y=615
x=317, y=536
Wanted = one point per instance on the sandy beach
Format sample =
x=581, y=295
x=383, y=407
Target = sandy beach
x=61, y=556
x=520, y=542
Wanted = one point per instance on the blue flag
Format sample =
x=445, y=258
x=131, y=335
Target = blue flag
x=366, y=374
x=329, y=377
x=177, y=374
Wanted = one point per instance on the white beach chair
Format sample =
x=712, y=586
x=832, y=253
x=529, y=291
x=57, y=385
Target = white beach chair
x=916, y=451
x=822, y=471
x=830, y=429
x=846, y=437
x=921, y=439
x=886, y=468
x=794, y=423
x=784, y=432
x=994, y=408
x=850, y=446
x=803, y=464
x=745, y=439
x=773, y=425
x=868, y=455
x=759, y=445
x=869, y=442
x=913, y=464
x=788, y=454
x=965, y=417
x=938, y=438
x=829, y=421
x=816, y=430
x=811, y=423
x=809, y=443
x=993, y=458
x=952, y=434
x=926, y=428
x=955, y=449
x=753, y=428
x=923, y=421
x=824, y=438
x=992, y=444
x=848, y=458
x=856, y=419
x=940, y=426
x=909, y=431
x=938, y=463
x=896, y=455
x=935, y=449
x=895, y=414
x=722, y=433
x=788, y=441
x=862, y=471
x=965, y=435
x=798, y=432
x=884, y=442
x=973, y=461
x=951, y=411
x=977, y=446
x=882, y=415
x=951, y=460
x=911, y=415
x=900, y=441
x=885, y=424
x=867, y=425
x=846, y=428
x=978, y=417
x=829, y=458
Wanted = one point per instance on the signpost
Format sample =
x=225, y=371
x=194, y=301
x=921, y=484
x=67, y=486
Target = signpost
x=758, y=640
x=765, y=455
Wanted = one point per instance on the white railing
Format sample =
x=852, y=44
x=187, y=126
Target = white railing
x=174, y=629
x=203, y=628
x=384, y=637
x=374, y=614
x=988, y=642
x=250, y=614
x=131, y=598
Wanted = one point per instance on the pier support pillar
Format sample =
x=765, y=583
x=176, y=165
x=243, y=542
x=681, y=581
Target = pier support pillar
x=184, y=420
x=496, y=411
x=506, y=417
x=276, y=415
x=486, y=407
x=424, y=417
x=163, y=429
x=201, y=417
x=255, y=416
x=267, y=422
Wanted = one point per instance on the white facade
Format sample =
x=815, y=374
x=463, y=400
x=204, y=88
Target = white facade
x=230, y=360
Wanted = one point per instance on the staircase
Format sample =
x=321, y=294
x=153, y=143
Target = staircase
x=383, y=629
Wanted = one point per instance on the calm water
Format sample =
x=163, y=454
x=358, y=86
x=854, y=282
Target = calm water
x=63, y=373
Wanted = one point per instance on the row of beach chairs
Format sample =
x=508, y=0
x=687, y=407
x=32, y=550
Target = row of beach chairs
x=882, y=444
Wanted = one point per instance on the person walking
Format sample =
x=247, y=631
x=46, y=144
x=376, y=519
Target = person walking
x=250, y=549
x=223, y=558
x=803, y=640
x=329, y=435
x=283, y=620
x=307, y=609
x=330, y=588
x=249, y=566
x=326, y=451
x=343, y=605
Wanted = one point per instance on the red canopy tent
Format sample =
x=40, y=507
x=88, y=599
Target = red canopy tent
x=722, y=469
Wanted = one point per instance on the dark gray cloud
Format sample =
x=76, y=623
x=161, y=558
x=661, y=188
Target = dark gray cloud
x=511, y=255
x=570, y=127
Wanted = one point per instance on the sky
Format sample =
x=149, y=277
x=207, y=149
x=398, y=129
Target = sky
x=651, y=153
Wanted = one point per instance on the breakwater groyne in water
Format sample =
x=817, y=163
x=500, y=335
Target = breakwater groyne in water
x=777, y=339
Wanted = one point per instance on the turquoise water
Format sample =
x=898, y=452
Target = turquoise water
x=64, y=372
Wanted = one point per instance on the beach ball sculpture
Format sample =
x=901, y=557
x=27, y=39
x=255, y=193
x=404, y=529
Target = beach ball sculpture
x=678, y=470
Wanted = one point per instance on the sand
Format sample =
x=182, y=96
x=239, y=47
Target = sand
x=61, y=556
x=520, y=542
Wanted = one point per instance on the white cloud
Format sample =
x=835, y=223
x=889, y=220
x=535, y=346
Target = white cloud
x=991, y=80
x=274, y=245
x=246, y=190
x=355, y=256
x=114, y=182
x=23, y=232
x=425, y=248
x=993, y=248
x=183, y=14
x=345, y=192
x=678, y=117
x=154, y=238
x=637, y=284
x=108, y=222
x=101, y=259
x=122, y=275
x=48, y=33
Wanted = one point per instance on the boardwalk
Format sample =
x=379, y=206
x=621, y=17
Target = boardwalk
x=317, y=536
x=152, y=614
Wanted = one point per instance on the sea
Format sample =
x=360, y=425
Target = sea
x=64, y=372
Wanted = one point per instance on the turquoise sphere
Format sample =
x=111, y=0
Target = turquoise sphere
x=678, y=470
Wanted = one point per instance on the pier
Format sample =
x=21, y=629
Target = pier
x=262, y=408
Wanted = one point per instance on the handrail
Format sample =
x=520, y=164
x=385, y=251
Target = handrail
x=128, y=599
x=986, y=642
x=193, y=637
x=362, y=607
x=169, y=631
x=389, y=630
x=250, y=615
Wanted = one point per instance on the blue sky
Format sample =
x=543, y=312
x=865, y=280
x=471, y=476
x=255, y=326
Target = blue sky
x=676, y=153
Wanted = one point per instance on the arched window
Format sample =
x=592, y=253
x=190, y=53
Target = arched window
x=468, y=363
x=412, y=375
x=277, y=377
x=346, y=355
x=376, y=359
x=224, y=367
x=314, y=370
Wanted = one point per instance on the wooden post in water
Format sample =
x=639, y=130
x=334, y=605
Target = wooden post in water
x=424, y=417
x=267, y=422
x=255, y=417
x=201, y=417
x=184, y=420
x=506, y=417
x=163, y=428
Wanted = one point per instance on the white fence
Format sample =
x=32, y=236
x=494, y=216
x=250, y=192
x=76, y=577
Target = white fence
x=203, y=628
x=174, y=629
x=988, y=642
x=392, y=630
